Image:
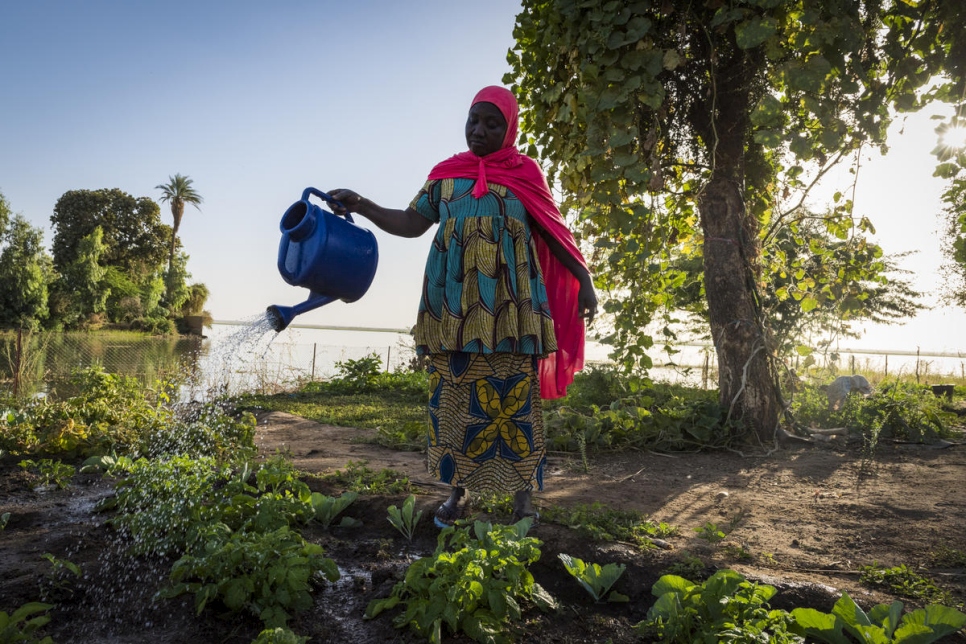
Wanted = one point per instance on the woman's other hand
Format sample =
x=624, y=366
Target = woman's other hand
x=587, y=300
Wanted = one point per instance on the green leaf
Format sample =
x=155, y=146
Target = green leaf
x=755, y=31
x=822, y=626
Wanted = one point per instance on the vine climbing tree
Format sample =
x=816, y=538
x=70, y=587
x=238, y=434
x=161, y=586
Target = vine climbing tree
x=690, y=128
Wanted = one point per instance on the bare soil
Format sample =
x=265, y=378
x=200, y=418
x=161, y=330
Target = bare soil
x=808, y=514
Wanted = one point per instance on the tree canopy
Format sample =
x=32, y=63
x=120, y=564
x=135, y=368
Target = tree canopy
x=25, y=272
x=681, y=128
x=134, y=238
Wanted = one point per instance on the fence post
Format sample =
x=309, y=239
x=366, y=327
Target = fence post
x=18, y=357
x=388, y=354
x=887, y=365
x=315, y=345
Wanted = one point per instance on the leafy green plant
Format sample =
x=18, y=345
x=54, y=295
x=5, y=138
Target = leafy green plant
x=109, y=464
x=358, y=477
x=601, y=523
x=947, y=557
x=405, y=520
x=884, y=624
x=725, y=608
x=4, y=519
x=471, y=584
x=58, y=582
x=211, y=432
x=689, y=567
x=51, y=472
x=267, y=574
x=22, y=625
x=93, y=412
x=493, y=503
x=279, y=635
x=595, y=579
x=326, y=508
x=162, y=501
x=711, y=533
x=901, y=581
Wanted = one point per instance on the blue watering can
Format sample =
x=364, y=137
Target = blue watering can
x=327, y=254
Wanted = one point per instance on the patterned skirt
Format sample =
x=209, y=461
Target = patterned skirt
x=487, y=422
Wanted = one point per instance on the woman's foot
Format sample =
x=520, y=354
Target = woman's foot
x=447, y=514
x=523, y=507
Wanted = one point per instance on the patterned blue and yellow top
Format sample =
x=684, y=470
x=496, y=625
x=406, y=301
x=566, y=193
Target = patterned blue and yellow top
x=483, y=291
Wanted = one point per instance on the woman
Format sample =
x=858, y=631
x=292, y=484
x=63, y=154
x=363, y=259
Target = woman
x=500, y=316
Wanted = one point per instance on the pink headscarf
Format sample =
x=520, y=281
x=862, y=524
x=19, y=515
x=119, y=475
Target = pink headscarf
x=523, y=176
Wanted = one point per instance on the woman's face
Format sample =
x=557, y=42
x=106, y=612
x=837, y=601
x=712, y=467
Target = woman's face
x=485, y=129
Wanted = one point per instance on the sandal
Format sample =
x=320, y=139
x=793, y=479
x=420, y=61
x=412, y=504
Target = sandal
x=445, y=517
x=517, y=517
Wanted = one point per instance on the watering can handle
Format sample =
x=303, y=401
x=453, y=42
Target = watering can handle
x=322, y=195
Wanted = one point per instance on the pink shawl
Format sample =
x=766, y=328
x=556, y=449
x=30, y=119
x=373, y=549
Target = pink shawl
x=524, y=177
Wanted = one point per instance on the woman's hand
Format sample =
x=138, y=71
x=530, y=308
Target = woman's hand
x=587, y=300
x=350, y=201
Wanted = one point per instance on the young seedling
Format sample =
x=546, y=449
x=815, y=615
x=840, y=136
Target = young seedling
x=405, y=520
x=327, y=508
x=595, y=579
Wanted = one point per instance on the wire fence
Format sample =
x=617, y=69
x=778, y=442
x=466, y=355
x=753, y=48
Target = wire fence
x=246, y=357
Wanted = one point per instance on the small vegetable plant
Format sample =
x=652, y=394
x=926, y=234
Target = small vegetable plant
x=22, y=625
x=595, y=579
x=473, y=583
x=884, y=624
x=327, y=508
x=725, y=608
x=58, y=583
x=267, y=574
x=405, y=520
x=51, y=471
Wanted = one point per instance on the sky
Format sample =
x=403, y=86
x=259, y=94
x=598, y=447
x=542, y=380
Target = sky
x=256, y=101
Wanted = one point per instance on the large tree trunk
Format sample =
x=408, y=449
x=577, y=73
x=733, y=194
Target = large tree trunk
x=745, y=383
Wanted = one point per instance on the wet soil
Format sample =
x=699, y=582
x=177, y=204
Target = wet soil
x=803, y=518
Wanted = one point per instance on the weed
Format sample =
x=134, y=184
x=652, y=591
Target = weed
x=4, y=519
x=710, y=533
x=357, y=477
x=738, y=552
x=901, y=581
x=600, y=523
x=689, y=567
x=946, y=557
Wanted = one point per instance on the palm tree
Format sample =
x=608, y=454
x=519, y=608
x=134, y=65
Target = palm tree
x=178, y=191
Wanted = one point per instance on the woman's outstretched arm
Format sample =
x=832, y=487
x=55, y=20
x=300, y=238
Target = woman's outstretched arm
x=403, y=223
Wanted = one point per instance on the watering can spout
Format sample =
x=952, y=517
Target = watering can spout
x=281, y=316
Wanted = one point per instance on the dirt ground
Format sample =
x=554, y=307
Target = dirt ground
x=809, y=515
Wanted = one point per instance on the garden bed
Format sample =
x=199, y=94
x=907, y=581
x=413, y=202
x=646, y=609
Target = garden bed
x=804, y=518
